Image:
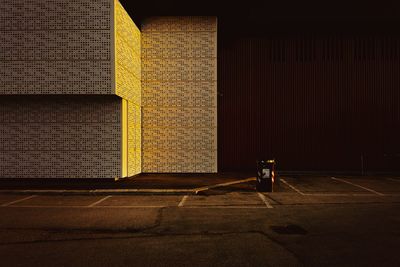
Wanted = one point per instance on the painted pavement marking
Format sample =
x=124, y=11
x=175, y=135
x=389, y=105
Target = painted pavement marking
x=199, y=189
x=225, y=207
x=17, y=201
x=99, y=201
x=264, y=199
x=359, y=186
x=86, y=207
x=292, y=187
x=183, y=201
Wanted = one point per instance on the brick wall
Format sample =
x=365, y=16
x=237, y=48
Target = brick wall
x=56, y=47
x=179, y=89
x=60, y=137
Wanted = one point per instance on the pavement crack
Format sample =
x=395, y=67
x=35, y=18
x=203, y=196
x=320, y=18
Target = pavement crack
x=281, y=244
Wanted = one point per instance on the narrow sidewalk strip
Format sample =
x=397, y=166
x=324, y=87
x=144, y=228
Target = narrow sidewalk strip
x=339, y=194
x=264, y=199
x=17, y=201
x=98, y=202
x=87, y=207
x=99, y=191
x=292, y=187
x=359, y=186
x=127, y=190
x=226, y=207
x=183, y=201
x=142, y=190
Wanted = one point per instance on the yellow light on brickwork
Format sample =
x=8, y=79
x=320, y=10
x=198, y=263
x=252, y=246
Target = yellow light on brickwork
x=128, y=87
x=124, y=138
x=179, y=90
x=127, y=56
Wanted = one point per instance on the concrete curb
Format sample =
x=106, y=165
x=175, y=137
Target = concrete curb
x=126, y=191
x=102, y=192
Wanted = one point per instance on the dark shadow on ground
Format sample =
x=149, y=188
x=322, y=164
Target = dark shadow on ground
x=141, y=181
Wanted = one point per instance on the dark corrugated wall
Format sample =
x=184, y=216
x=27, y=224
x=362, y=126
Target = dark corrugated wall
x=315, y=103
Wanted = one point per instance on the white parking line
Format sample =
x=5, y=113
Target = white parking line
x=183, y=201
x=143, y=190
x=225, y=207
x=292, y=187
x=339, y=194
x=17, y=201
x=359, y=186
x=98, y=202
x=264, y=199
x=101, y=191
x=199, y=189
x=85, y=207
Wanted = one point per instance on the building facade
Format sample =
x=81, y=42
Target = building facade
x=322, y=101
x=179, y=96
x=72, y=79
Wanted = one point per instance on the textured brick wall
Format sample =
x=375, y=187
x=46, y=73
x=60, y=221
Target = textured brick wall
x=179, y=89
x=128, y=84
x=56, y=47
x=60, y=137
x=51, y=47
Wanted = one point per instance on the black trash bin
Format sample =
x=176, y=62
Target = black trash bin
x=265, y=175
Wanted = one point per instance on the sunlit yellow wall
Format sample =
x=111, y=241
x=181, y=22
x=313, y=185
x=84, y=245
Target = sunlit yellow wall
x=124, y=138
x=128, y=85
x=179, y=94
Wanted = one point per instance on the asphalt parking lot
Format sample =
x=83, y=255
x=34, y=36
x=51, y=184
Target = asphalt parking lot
x=307, y=221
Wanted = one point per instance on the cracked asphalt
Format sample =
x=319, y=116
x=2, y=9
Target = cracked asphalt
x=326, y=222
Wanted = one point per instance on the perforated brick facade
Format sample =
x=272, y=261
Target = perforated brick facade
x=60, y=136
x=179, y=94
x=85, y=96
x=64, y=48
x=56, y=47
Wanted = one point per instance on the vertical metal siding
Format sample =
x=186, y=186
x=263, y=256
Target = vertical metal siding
x=315, y=103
